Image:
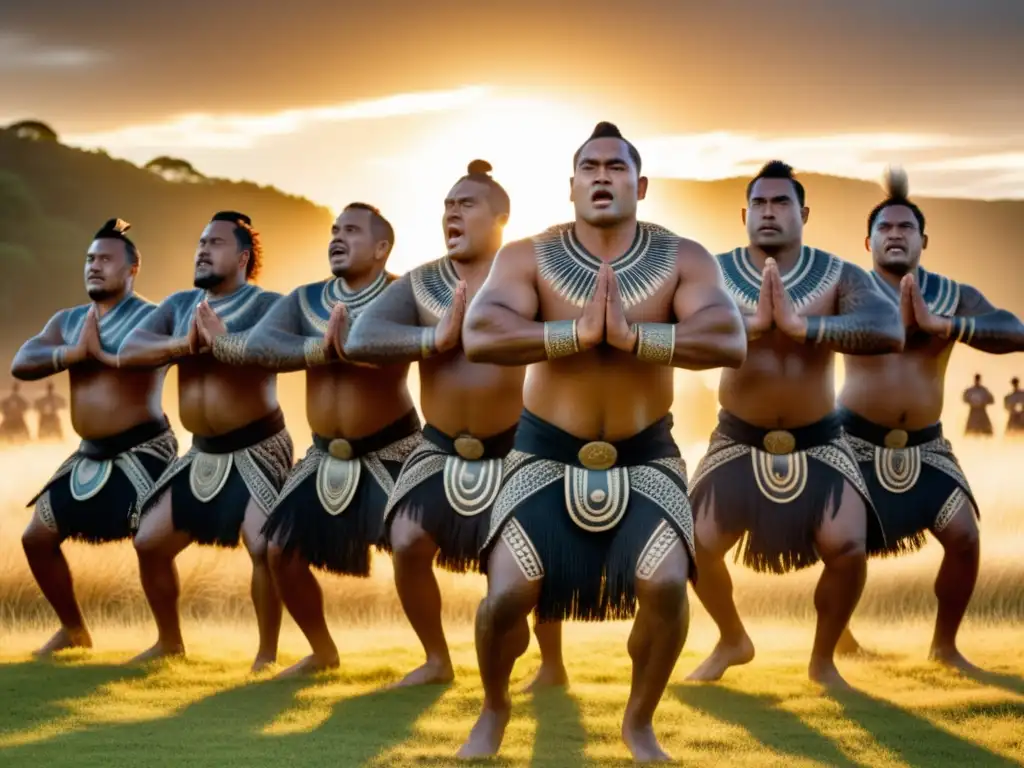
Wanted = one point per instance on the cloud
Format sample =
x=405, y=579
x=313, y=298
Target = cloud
x=240, y=131
x=21, y=52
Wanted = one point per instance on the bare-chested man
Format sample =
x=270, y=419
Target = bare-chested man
x=13, y=427
x=593, y=515
x=331, y=510
x=49, y=407
x=1014, y=405
x=443, y=497
x=126, y=439
x=228, y=481
x=779, y=472
x=978, y=398
x=892, y=406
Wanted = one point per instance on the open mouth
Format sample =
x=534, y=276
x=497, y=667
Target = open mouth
x=895, y=249
x=338, y=250
x=601, y=198
x=203, y=263
x=453, y=234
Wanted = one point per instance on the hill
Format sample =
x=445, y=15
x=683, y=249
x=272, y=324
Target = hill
x=53, y=198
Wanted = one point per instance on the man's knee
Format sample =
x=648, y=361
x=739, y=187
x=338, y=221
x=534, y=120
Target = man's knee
x=38, y=539
x=409, y=541
x=508, y=602
x=846, y=553
x=961, y=536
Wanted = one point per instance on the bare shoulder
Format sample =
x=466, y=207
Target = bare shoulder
x=518, y=256
x=695, y=262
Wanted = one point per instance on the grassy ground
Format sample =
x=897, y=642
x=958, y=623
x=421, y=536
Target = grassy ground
x=87, y=710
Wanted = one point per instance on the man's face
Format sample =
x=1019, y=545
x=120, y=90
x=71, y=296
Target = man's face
x=606, y=187
x=896, y=241
x=218, y=255
x=353, y=250
x=107, y=268
x=773, y=215
x=471, y=228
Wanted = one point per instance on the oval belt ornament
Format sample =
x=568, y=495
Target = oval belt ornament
x=209, y=474
x=336, y=483
x=469, y=447
x=779, y=442
x=896, y=438
x=598, y=455
x=88, y=478
x=340, y=449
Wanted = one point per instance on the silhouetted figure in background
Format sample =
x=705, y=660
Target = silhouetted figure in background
x=49, y=407
x=13, y=428
x=978, y=398
x=1014, y=404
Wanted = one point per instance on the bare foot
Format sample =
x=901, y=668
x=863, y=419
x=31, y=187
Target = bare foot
x=262, y=662
x=824, y=672
x=63, y=639
x=951, y=657
x=308, y=666
x=430, y=673
x=485, y=738
x=159, y=651
x=548, y=676
x=849, y=647
x=724, y=655
x=643, y=744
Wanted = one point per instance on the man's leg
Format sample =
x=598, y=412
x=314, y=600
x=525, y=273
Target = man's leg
x=157, y=544
x=552, y=671
x=502, y=636
x=413, y=556
x=304, y=600
x=51, y=572
x=955, y=583
x=841, y=541
x=659, y=631
x=714, y=589
x=265, y=599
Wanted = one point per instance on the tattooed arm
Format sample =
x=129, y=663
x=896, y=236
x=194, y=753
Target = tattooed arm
x=388, y=330
x=152, y=344
x=867, y=323
x=45, y=353
x=980, y=325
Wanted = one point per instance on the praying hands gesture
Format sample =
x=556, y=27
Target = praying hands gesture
x=915, y=312
x=603, y=318
x=448, y=332
x=205, y=327
x=337, y=332
x=784, y=314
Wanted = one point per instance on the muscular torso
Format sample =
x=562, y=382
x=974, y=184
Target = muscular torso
x=603, y=392
x=904, y=390
x=782, y=383
x=458, y=396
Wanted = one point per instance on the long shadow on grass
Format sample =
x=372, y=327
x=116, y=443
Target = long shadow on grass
x=33, y=693
x=1011, y=683
x=560, y=736
x=917, y=741
x=777, y=729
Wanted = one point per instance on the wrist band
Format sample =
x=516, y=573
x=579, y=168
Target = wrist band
x=230, y=348
x=58, y=358
x=560, y=338
x=815, y=330
x=655, y=342
x=427, y=347
x=963, y=329
x=314, y=352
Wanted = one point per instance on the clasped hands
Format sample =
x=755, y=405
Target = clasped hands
x=775, y=309
x=915, y=312
x=604, y=318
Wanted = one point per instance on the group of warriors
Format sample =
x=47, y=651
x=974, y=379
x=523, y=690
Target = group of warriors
x=13, y=425
x=978, y=399
x=545, y=459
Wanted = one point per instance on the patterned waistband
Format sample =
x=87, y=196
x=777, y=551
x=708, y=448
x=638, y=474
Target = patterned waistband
x=243, y=437
x=473, y=448
x=360, y=446
x=105, y=448
x=544, y=440
x=779, y=440
x=857, y=426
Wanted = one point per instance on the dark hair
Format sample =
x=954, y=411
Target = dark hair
x=115, y=229
x=896, y=184
x=479, y=171
x=1015, y=381
x=380, y=227
x=977, y=377
x=776, y=169
x=248, y=240
x=606, y=130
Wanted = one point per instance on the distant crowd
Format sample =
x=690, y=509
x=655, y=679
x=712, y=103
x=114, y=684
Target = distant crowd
x=13, y=425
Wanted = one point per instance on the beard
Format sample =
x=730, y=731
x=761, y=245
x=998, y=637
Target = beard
x=100, y=294
x=208, y=281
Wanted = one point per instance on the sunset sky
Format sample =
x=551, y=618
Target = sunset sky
x=387, y=101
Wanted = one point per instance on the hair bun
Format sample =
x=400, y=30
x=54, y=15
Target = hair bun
x=896, y=182
x=117, y=225
x=479, y=168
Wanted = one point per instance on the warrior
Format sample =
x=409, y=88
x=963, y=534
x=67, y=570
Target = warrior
x=1014, y=405
x=227, y=482
x=442, y=499
x=126, y=440
x=891, y=407
x=778, y=472
x=13, y=428
x=330, y=511
x=49, y=407
x=593, y=517
x=978, y=398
